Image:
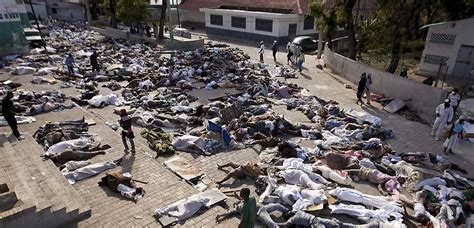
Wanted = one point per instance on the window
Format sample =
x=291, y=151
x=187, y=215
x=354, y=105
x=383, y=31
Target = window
x=264, y=25
x=308, y=23
x=1, y=16
x=216, y=19
x=54, y=10
x=442, y=38
x=435, y=59
x=238, y=22
x=6, y=16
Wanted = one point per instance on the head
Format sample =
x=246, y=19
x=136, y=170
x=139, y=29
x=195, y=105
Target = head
x=9, y=95
x=274, y=41
x=245, y=193
x=455, y=90
x=261, y=42
x=446, y=103
x=69, y=55
x=363, y=75
x=123, y=112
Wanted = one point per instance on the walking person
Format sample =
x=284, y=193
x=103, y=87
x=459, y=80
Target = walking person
x=289, y=56
x=9, y=114
x=249, y=209
x=296, y=53
x=455, y=98
x=125, y=122
x=301, y=60
x=456, y=133
x=368, y=85
x=444, y=115
x=94, y=62
x=274, y=49
x=361, y=88
x=70, y=64
x=260, y=52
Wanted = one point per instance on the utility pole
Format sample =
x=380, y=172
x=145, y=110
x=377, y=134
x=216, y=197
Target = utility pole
x=38, y=27
x=170, y=17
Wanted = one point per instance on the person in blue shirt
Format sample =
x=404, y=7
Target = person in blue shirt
x=454, y=135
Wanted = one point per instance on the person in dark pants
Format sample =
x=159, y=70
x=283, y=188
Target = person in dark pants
x=70, y=64
x=94, y=62
x=275, y=49
x=125, y=122
x=361, y=88
x=9, y=115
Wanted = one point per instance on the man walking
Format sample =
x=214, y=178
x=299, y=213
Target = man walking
x=94, y=62
x=260, y=52
x=444, y=115
x=275, y=49
x=249, y=209
x=368, y=85
x=301, y=60
x=9, y=114
x=361, y=88
x=454, y=98
x=70, y=64
x=125, y=122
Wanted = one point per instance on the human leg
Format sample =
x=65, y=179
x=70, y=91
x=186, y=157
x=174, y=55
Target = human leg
x=367, y=94
x=274, y=55
x=261, y=57
x=435, y=126
x=70, y=69
x=453, y=141
x=440, y=129
x=230, y=164
x=124, y=141
x=13, y=125
x=132, y=145
x=236, y=173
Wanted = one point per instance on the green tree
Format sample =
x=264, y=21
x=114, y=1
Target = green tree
x=325, y=20
x=132, y=11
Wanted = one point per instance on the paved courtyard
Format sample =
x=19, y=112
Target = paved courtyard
x=164, y=187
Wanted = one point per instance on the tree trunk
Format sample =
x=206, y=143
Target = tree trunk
x=162, y=19
x=350, y=29
x=113, y=19
x=395, y=54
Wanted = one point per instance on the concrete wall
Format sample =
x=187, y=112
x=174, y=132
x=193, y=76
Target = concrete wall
x=464, y=32
x=421, y=98
x=12, y=37
x=40, y=10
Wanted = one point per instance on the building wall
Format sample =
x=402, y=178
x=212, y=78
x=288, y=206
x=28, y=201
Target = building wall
x=438, y=45
x=40, y=9
x=66, y=11
x=280, y=24
x=12, y=37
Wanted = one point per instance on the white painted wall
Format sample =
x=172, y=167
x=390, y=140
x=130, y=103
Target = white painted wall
x=281, y=22
x=192, y=16
x=464, y=31
x=40, y=10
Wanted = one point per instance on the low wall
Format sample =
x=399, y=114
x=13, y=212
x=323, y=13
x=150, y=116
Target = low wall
x=421, y=98
x=119, y=34
x=184, y=45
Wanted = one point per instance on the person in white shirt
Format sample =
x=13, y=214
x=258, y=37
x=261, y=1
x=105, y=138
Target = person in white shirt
x=454, y=98
x=260, y=52
x=444, y=115
x=368, y=85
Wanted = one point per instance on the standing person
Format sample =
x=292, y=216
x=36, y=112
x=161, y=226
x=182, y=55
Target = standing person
x=9, y=114
x=94, y=62
x=361, y=88
x=249, y=209
x=289, y=55
x=454, y=98
x=296, y=53
x=452, y=141
x=260, y=52
x=275, y=49
x=126, y=123
x=404, y=72
x=368, y=85
x=70, y=64
x=444, y=115
x=288, y=46
x=301, y=60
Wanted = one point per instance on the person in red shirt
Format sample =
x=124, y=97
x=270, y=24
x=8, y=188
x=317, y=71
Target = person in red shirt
x=125, y=122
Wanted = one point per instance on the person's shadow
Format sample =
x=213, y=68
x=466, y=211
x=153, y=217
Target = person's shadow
x=306, y=76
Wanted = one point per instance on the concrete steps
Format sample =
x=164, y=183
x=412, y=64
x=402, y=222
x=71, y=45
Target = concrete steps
x=45, y=198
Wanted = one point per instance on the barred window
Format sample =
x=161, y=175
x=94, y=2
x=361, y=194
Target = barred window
x=264, y=25
x=308, y=23
x=216, y=19
x=442, y=38
x=238, y=22
x=435, y=59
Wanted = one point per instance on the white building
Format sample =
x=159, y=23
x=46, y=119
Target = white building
x=451, y=43
x=264, y=20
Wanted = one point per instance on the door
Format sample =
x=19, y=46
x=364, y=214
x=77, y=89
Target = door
x=292, y=31
x=464, y=62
